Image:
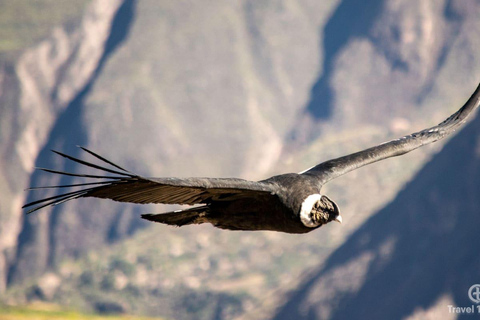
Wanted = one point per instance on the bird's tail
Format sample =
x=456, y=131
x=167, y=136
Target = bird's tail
x=180, y=218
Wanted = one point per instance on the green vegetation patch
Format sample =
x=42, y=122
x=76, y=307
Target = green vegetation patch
x=52, y=312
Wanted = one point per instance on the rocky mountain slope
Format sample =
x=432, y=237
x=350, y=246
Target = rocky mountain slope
x=220, y=89
x=38, y=82
x=414, y=257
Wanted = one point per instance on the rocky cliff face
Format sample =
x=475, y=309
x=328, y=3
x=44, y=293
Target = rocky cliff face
x=414, y=257
x=36, y=89
x=224, y=89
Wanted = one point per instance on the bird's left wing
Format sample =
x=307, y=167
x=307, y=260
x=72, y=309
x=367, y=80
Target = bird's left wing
x=331, y=169
x=124, y=186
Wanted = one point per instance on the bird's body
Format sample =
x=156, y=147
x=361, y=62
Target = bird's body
x=290, y=203
x=275, y=211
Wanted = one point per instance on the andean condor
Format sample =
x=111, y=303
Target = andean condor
x=290, y=202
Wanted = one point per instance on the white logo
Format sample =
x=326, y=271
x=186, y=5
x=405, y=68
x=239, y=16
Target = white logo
x=474, y=293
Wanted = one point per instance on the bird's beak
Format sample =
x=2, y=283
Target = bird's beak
x=339, y=219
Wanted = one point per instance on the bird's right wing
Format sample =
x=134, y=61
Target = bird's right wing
x=125, y=186
x=331, y=169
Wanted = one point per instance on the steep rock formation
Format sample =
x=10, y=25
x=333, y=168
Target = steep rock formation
x=39, y=87
x=414, y=257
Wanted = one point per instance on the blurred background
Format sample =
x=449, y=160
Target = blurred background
x=239, y=89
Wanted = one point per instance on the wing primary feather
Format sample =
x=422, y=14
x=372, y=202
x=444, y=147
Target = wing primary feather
x=69, y=198
x=57, y=201
x=55, y=197
x=72, y=185
x=78, y=175
x=92, y=165
x=103, y=159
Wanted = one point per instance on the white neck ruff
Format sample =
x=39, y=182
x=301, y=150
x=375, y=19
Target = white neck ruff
x=306, y=209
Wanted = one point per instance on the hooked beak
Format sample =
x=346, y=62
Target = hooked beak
x=339, y=219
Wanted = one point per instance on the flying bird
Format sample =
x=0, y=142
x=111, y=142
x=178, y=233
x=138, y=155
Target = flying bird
x=291, y=203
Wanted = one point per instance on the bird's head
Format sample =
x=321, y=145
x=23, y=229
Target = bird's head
x=318, y=209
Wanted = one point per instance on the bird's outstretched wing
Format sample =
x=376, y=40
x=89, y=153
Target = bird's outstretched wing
x=121, y=185
x=331, y=169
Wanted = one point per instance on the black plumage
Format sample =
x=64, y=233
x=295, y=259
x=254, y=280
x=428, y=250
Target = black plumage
x=289, y=203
